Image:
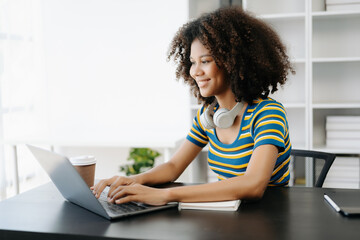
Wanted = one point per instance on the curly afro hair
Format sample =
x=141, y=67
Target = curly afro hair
x=250, y=52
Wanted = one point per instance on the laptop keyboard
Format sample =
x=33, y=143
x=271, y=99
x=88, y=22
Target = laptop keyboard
x=120, y=208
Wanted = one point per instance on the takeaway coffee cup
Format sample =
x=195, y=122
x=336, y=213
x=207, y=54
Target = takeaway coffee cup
x=85, y=165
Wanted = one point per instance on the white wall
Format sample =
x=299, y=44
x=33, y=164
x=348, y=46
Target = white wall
x=100, y=85
x=107, y=74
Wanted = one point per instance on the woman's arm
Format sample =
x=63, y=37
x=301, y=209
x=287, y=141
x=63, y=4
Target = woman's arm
x=170, y=171
x=166, y=172
x=251, y=185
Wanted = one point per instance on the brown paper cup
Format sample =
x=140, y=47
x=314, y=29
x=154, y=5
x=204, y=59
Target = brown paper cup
x=85, y=165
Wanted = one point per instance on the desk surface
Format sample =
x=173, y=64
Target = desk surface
x=283, y=213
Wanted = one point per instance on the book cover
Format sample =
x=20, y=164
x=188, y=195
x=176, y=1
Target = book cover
x=212, y=206
x=343, y=119
x=343, y=7
x=355, y=134
x=345, y=161
x=352, y=126
x=343, y=143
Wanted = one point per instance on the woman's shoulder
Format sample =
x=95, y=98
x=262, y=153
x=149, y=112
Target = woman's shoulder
x=266, y=106
x=261, y=103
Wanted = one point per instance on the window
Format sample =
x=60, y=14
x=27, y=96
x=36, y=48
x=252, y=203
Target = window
x=80, y=71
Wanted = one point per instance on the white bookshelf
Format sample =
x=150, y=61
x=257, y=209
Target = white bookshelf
x=324, y=48
x=328, y=78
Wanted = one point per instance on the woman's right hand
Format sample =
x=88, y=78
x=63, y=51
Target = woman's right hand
x=113, y=182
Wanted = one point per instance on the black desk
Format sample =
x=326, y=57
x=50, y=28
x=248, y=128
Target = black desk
x=283, y=213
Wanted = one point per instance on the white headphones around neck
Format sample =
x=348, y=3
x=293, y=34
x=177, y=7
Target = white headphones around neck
x=222, y=118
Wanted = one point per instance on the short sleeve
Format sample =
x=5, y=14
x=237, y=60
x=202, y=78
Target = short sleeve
x=197, y=134
x=270, y=126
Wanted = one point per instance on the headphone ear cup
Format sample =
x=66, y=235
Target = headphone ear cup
x=223, y=119
x=206, y=120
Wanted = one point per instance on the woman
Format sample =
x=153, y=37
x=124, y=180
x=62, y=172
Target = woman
x=233, y=61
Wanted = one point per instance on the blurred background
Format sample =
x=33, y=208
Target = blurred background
x=91, y=77
x=87, y=77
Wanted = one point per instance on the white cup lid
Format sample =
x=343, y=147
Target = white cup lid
x=82, y=160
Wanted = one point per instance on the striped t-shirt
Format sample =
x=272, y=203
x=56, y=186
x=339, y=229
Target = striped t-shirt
x=263, y=122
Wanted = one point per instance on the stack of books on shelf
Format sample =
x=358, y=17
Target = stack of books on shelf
x=343, y=132
x=342, y=5
x=344, y=173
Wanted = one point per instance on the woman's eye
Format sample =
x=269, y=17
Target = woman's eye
x=207, y=60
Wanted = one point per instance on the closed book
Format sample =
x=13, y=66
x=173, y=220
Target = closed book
x=346, y=161
x=343, y=172
x=344, y=134
x=212, y=206
x=343, y=119
x=340, y=161
x=343, y=143
x=343, y=126
x=340, y=184
x=343, y=7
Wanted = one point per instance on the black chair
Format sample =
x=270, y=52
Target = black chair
x=328, y=159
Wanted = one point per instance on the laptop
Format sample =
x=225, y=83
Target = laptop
x=73, y=188
x=345, y=203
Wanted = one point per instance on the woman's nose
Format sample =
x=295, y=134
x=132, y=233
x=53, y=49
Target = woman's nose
x=196, y=71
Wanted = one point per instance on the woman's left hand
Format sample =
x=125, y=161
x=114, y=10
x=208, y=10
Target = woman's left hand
x=139, y=193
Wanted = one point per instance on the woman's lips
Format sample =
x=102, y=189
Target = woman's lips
x=203, y=83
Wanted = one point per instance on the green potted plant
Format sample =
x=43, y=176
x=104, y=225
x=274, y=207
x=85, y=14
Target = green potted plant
x=142, y=159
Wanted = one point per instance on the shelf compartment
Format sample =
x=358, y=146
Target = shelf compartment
x=334, y=83
x=262, y=7
x=292, y=34
x=336, y=37
x=319, y=128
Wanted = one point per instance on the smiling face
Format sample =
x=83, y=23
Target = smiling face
x=208, y=76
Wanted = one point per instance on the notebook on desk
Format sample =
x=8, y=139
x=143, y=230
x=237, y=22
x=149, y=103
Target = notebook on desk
x=347, y=204
x=73, y=188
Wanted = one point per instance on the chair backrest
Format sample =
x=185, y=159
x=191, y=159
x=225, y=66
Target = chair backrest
x=327, y=157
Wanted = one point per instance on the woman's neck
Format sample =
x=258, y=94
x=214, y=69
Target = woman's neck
x=226, y=100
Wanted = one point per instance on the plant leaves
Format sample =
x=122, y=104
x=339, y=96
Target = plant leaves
x=142, y=159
